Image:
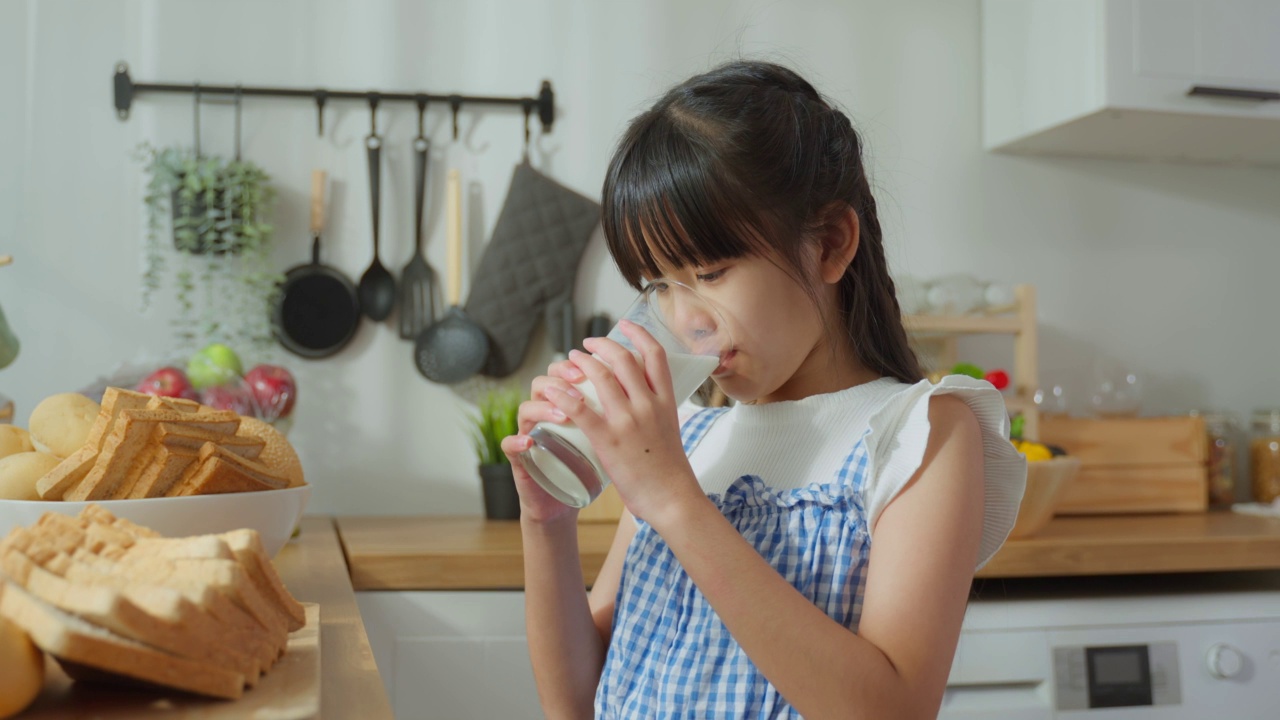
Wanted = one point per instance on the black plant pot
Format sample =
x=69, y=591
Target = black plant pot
x=198, y=210
x=501, y=501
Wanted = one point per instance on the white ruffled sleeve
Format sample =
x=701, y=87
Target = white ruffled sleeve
x=900, y=432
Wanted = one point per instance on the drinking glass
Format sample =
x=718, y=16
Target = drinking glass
x=695, y=337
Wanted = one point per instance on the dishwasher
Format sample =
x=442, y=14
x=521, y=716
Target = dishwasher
x=1194, y=646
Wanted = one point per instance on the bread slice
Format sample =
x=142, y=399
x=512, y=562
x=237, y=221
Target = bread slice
x=112, y=609
x=164, y=468
x=222, y=471
x=173, y=403
x=69, y=638
x=248, y=549
x=193, y=438
x=225, y=576
x=97, y=514
x=114, y=401
x=67, y=474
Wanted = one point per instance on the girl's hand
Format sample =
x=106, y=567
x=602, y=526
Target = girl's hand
x=638, y=437
x=537, y=504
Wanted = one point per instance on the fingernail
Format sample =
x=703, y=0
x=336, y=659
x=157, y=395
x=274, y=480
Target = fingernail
x=557, y=413
x=573, y=392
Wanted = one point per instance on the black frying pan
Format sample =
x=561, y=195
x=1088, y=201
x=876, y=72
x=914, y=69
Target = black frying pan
x=316, y=312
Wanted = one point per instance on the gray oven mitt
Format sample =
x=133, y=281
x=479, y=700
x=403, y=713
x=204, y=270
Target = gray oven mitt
x=531, y=260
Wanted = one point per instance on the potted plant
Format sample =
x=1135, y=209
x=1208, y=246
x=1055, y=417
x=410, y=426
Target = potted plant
x=495, y=420
x=221, y=245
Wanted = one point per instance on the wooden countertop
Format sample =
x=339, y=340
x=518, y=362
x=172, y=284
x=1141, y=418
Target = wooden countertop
x=314, y=570
x=454, y=553
x=1142, y=544
x=450, y=553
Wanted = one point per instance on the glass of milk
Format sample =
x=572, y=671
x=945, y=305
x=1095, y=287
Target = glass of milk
x=695, y=336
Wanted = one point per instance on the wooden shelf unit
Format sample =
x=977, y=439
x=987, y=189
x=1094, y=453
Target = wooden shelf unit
x=938, y=334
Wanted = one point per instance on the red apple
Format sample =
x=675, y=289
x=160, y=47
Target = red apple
x=168, y=381
x=234, y=396
x=274, y=389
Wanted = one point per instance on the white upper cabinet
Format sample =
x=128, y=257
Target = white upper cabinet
x=1191, y=80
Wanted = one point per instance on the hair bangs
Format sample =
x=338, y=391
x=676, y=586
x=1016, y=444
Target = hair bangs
x=668, y=206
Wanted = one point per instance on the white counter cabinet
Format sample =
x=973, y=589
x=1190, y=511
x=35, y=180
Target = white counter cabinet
x=447, y=655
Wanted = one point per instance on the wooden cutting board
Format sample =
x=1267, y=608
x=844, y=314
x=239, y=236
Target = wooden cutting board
x=290, y=691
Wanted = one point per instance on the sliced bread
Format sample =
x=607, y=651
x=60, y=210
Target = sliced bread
x=70, y=638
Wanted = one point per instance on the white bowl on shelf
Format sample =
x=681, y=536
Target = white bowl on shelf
x=273, y=513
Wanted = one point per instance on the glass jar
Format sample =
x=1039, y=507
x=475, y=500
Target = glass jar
x=1264, y=455
x=1222, y=434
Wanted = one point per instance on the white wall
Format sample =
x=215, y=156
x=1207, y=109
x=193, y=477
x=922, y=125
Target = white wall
x=1167, y=269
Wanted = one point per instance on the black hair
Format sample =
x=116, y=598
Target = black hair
x=749, y=159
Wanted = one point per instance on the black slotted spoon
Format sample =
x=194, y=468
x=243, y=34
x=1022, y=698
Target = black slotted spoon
x=417, y=288
x=377, y=287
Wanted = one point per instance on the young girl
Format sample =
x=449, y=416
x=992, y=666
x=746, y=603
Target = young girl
x=809, y=551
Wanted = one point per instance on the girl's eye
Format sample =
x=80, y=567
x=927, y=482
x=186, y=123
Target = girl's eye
x=711, y=276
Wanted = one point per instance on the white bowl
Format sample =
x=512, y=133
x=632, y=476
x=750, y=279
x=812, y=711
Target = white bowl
x=273, y=513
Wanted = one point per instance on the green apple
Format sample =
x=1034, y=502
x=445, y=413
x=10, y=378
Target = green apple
x=214, y=365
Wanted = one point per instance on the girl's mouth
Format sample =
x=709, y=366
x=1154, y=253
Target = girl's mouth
x=723, y=367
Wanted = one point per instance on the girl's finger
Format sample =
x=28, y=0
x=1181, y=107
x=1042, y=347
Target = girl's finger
x=577, y=410
x=540, y=384
x=608, y=391
x=654, y=356
x=513, y=445
x=533, y=412
x=625, y=365
x=567, y=370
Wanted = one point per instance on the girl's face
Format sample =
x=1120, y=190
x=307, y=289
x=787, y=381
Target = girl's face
x=782, y=350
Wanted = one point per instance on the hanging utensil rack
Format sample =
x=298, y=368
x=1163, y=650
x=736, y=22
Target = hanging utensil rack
x=126, y=89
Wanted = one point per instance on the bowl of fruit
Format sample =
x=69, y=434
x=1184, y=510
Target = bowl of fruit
x=215, y=377
x=1049, y=471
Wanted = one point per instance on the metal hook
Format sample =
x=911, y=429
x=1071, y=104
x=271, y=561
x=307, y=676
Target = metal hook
x=321, y=97
x=455, y=104
x=239, y=93
x=421, y=100
x=195, y=93
x=527, y=106
x=373, y=113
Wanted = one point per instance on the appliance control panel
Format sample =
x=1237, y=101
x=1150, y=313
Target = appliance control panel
x=1114, y=676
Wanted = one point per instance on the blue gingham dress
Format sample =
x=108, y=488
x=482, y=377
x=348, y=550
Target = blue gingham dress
x=671, y=656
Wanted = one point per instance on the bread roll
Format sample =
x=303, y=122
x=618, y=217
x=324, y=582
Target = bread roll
x=14, y=439
x=23, y=674
x=20, y=472
x=60, y=424
x=278, y=454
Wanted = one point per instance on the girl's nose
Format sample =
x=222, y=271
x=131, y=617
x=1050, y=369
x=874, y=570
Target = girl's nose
x=695, y=323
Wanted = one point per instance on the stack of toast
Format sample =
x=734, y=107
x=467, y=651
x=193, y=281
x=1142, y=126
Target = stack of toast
x=110, y=599
x=144, y=447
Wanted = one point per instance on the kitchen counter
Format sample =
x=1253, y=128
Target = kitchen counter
x=471, y=553
x=314, y=570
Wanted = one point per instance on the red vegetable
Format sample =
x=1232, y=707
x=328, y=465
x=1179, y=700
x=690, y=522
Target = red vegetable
x=998, y=378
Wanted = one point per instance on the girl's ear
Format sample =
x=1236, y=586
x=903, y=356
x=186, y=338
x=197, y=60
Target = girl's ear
x=839, y=245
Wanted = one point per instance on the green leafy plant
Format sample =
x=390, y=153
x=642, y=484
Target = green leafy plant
x=495, y=420
x=221, y=245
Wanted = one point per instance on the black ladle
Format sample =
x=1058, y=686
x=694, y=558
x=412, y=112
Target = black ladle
x=377, y=287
